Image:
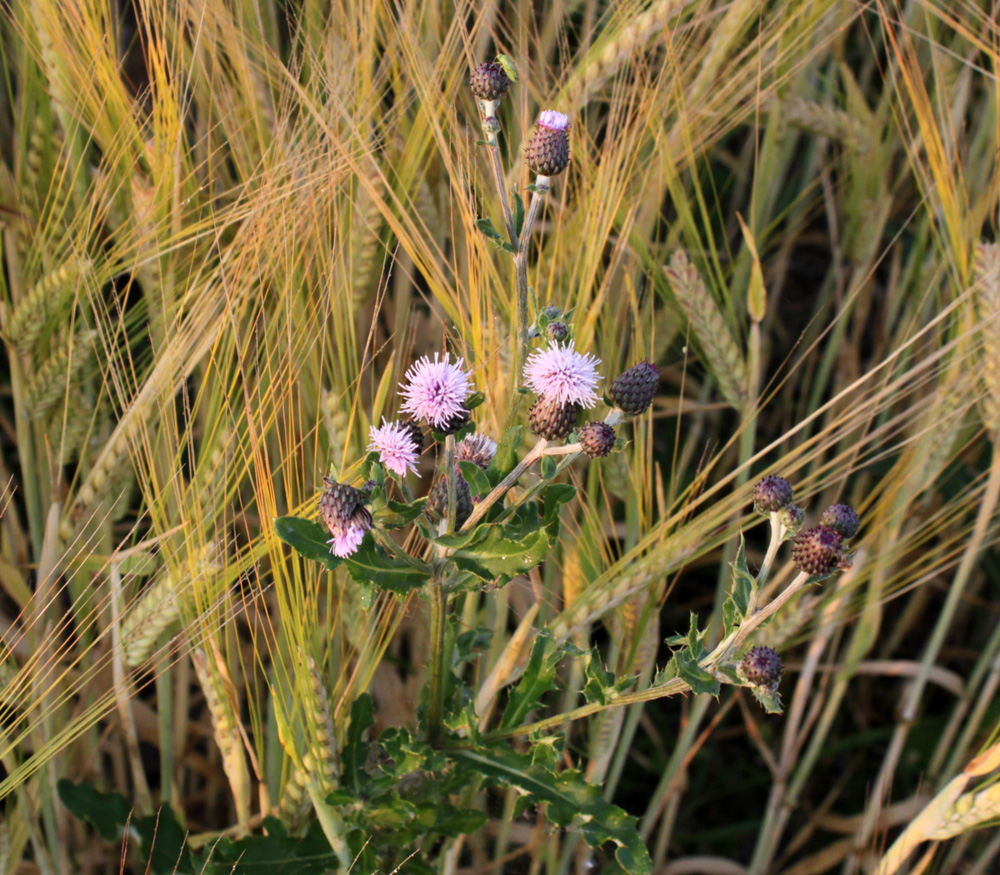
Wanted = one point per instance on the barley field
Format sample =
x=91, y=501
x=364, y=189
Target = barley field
x=745, y=256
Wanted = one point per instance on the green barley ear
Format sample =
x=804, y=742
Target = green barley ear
x=720, y=353
x=48, y=382
x=47, y=296
x=217, y=686
x=986, y=273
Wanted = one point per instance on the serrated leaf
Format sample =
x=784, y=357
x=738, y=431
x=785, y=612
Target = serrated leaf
x=355, y=753
x=571, y=800
x=396, y=514
x=486, y=226
x=462, y=539
x=475, y=476
x=106, y=812
x=500, y=556
x=371, y=564
x=734, y=609
x=694, y=637
x=700, y=680
x=275, y=853
x=665, y=674
x=307, y=538
x=537, y=680
x=600, y=683
x=769, y=699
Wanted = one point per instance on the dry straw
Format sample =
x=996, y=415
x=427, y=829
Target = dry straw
x=986, y=272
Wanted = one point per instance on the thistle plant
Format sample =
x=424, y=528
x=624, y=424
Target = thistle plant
x=489, y=513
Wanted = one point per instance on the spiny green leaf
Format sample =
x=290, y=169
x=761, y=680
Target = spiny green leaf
x=571, y=801
x=700, y=680
x=307, y=538
x=371, y=564
x=769, y=699
x=537, y=680
x=500, y=556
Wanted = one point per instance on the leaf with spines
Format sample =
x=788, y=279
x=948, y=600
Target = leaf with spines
x=699, y=679
x=601, y=685
x=571, y=801
x=501, y=557
x=373, y=565
x=308, y=538
x=770, y=700
x=538, y=679
x=734, y=609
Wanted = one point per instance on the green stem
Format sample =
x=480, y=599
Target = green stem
x=435, y=686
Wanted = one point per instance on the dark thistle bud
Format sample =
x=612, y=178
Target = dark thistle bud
x=597, y=439
x=548, y=152
x=557, y=331
x=437, y=499
x=456, y=423
x=762, y=667
x=842, y=518
x=771, y=494
x=551, y=312
x=339, y=502
x=489, y=81
x=551, y=419
x=819, y=551
x=632, y=391
x=792, y=518
x=414, y=430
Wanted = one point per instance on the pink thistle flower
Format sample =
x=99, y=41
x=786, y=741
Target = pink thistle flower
x=435, y=391
x=477, y=448
x=346, y=539
x=395, y=446
x=562, y=374
x=550, y=118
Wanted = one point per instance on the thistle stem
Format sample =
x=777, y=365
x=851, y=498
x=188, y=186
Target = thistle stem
x=491, y=127
x=521, y=274
x=450, y=475
x=435, y=682
x=674, y=685
x=777, y=534
x=535, y=453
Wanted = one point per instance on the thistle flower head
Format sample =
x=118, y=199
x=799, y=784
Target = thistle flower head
x=562, y=374
x=347, y=538
x=396, y=448
x=435, y=391
x=632, y=390
x=548, y=151
x=476, y=448
x=489, y=81
x=762, y=667
x=554, y=120
x=842, y=518
x=597, y=439
x=819, y=551
x=345, y=515
x=771, y=494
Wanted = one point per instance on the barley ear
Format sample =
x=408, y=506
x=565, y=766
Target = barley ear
x=720, y=353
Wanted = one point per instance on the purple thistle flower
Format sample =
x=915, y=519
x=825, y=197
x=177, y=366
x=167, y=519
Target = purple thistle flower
x=477, y=448
x=550, y=118
x=395, y=446
x=562, y=374
x=346, y=539
x=435, y=391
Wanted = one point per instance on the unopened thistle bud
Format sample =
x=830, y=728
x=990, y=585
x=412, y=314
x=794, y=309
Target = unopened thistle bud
x=457, y=422
x=437, y=500
x=819, y=551
x=762, y=667
x=476, y=448
x=339, y=502
x=792, y=516
x=557, y=331
x=548, y=152
x=551, y=418
x=597, y=439
x=842, y=518
x=489, y=81
x=772, y=494
x=632, y=391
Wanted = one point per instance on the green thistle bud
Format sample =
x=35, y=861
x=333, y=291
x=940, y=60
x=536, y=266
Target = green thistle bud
x=772, y=494
x=550, y=419
x=557, y=331
x=489, y=81
x=548, y=152
x=339, y=503
x=762, y=667
x=842, y=518
x=819, y=551
x=597, y=439
x=632, y=391
x=792, y=516
x=437, y=499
